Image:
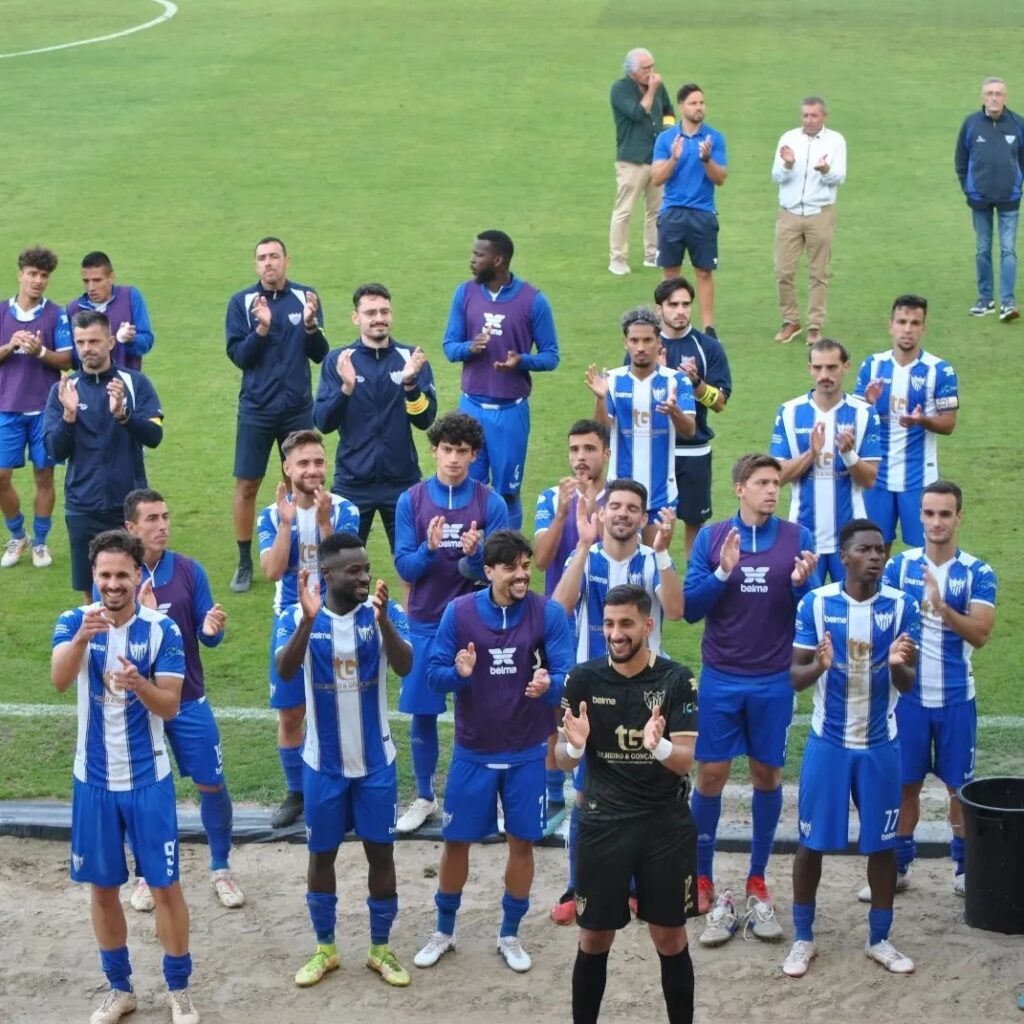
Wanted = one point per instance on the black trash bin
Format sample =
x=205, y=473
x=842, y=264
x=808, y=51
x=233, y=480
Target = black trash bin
x=994, y=853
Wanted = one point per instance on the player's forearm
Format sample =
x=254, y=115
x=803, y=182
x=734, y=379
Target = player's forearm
x=975, y=629
x=701, y=592
x=685, y=423
x=162, y=697
x=289, y=659
x=397, y=650
x=56, y=360
x=274, y=561
x=864, y=473
x=545, y=543
x=662, y=170
x=425, y=414
x=794, y=469
x=563, y=759
x=803, y=674
x=940, y=423
x=247, y=350
x=147, y=432
x=670, y=594
x=66, y=663
x=316, y=345
x=567, y=592
x=680, y=761
x=601, y=411
x=716, y=172
x=903, y=677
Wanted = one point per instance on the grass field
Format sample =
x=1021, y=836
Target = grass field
x=378, y=140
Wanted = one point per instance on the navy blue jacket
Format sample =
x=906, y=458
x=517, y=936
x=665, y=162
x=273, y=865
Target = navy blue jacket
x=989, y=160
x=276, y=381
x=376, y=420
x=104, y=457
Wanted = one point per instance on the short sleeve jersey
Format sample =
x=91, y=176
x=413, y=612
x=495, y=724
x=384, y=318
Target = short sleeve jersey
x=624, y=781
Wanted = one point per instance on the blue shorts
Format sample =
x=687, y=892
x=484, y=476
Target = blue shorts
x=101, y=819
x=886, y=507
x=743, y=715
x=416, y=697
x=471, y=800
x=682, y=230
x=829, y=776
x=693, y=480
x=334, y=805
x=195, y=741
x=255, y=438
x=283, y=693
x=502, y=462
x=829, y=566
x=18, y=431
x=937, y=740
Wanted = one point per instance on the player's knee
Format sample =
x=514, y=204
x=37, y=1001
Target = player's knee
x=291, y=718
x=765, y=776
x=246, y=488
x=204, y=788
x=5, y=478
x=712, y=777
x=106, y=896
x=668, y=941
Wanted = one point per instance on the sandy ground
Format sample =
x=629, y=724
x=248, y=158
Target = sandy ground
x=245, y=959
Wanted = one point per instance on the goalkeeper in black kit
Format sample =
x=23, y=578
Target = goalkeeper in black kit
x=633, y=715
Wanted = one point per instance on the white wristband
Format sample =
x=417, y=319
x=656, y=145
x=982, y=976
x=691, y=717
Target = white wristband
x=574, y=752
x=663, y=751
x=663, y=560
x=41, y=353
x=850, y=458
x=721, y=575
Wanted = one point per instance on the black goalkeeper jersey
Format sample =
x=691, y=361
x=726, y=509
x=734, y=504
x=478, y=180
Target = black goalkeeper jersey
x=623, y=779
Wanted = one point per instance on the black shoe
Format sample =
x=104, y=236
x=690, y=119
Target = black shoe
x=242, y=580
x=289, y=812
x=710, y=331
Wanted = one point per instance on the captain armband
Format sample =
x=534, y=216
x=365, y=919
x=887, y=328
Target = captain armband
x=947, y=404
x=668, y=121
x=414, y=406
x=709, y=395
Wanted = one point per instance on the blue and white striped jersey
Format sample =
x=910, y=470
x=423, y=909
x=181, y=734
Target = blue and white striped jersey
x=825, y=497
x=305, y=541
x=909, y=454
x=345, y=677
x=854, y=700
x=600, y=575
x=944, y=673
x=643, y=439
x=121, y=743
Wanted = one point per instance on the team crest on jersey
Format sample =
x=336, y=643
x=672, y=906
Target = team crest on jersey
x=502, y=660
x=636, y=579
x=493, y=322
x=884, y=620
x=918, y=381
x=396, y=376
x=581, y=905
x=138, y=651
x=659, y=394
x=956, y=587
x=755, y=579
x=367, y=634
x=294, y=318
x=77, y=860
x=654, y=699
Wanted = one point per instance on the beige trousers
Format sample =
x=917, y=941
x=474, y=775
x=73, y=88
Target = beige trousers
x=793, y=235
x=632, y=180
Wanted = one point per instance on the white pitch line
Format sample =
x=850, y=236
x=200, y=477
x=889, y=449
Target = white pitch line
x=170, y=10
x=233, y=714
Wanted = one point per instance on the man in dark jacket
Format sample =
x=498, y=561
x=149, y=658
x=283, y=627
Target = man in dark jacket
x=990, y=165
x=373, y=392
x=98, y=419
x=274, y=329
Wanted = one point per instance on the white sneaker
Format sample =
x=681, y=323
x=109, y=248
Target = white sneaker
x=182, y=1009
x=959, y=883
x=761, y=920
x=515, y=956
x=41, y=557
x=619, y=269
x=651, y=262
x=226, y=888
x=902, y=885
x=114, y=1006
x=721, y=922
x=417, y=814
x=886, y=954
x=141, y=898
x=13, y=552
x=799, y=960
x=437, y=945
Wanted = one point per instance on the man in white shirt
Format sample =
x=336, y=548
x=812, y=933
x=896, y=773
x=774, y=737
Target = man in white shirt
x=810, y=164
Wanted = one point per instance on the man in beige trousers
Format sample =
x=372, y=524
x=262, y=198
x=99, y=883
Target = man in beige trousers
x=810, y=164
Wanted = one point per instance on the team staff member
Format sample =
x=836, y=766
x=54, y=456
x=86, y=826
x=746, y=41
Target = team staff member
x=123, y=306
x=504, y=653
x=339, y=651
x=127, y=663
x=690, y=161
x=633, y=716
x=855, y=644
x=99, y=418
x=496, y=319
x=744, y=579
x=290, y=532
x=179, y=587
x=274, y=330
x=34, y=347
x=373, y=392
x=702, y=358
x=640, y=108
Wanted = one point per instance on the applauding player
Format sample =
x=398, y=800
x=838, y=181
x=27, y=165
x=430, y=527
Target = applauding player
x=340, y=654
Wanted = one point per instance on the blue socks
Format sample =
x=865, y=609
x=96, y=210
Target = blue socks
x=879, y=925
x=706, y=812
x=514, y=910
x=16, y=526
x=765, y=811
x=554, y=781
x=323, y=912
x=803, y=922
x=117, y=968
x=956, y=851
x=906, y=851
x=291, y=765
x=448, y=904
x=215, y=811
x=425, y=753
x=382, y=917
x=41, y=526
x=571, y=841
x=177, y=970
